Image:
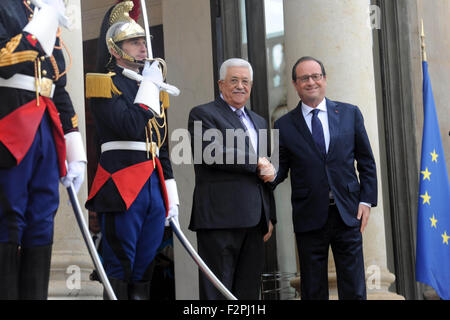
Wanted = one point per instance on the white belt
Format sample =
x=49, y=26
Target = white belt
x=22, y=81
x=127, y=145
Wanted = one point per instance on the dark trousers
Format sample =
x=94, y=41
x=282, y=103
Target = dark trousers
x=131, y=238
x=346, y=244
x=29, y=198
x=29, y=195
x=236, y=257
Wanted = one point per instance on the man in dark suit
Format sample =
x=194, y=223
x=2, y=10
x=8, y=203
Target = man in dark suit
x=320, y=141
x=233, y=210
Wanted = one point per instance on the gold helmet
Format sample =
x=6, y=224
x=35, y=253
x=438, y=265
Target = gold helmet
x=122, y=27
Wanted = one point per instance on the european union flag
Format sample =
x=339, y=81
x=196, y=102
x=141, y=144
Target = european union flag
x=433, y=221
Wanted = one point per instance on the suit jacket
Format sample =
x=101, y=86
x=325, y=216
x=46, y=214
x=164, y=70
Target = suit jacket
x=314, y=175
x=226, y=195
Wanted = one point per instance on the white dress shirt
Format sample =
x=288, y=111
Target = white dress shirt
x=323, y=117
x=250, y=127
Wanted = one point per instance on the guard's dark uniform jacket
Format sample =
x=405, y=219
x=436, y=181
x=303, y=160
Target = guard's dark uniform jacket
x=32, y=152
x=19, y=114
x=121, y=174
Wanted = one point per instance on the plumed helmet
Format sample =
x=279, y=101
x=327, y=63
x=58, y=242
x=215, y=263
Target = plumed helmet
x=122, y=27
x=118, y=24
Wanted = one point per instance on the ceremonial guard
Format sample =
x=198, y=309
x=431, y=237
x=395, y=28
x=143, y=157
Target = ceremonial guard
x=38, y=133
x=133, y=192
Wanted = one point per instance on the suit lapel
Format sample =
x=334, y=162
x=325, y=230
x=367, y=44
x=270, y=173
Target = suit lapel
x=230, y=117
x=253, y=118
x=333, y=123
x=257, y=126
x=228, y=114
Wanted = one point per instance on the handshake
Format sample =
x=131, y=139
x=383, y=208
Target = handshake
x=266, y=170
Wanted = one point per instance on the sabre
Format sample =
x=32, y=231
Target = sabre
x=198, y=260
x=154, y=103
x=147, y=29
x=89, y=243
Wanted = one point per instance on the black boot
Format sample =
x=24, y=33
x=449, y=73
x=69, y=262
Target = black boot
x=139, y=291
x=9, y=271
x=120, y=288
x=34, y=272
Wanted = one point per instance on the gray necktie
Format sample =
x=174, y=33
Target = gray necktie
x=240, y=114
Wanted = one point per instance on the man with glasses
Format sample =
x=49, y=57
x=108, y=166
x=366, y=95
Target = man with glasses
x=233, y=209
x=320, y=141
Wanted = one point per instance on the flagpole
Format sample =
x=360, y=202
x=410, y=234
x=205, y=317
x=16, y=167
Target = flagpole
x=433, y=219
x=422, y=37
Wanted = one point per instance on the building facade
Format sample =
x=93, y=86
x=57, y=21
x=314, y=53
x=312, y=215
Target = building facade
x=372, y=52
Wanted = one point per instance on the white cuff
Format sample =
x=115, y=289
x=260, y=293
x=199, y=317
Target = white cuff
x=148, y=94
x=74, y=147
x=366, y=204
x=44, y=26
x=172, y=192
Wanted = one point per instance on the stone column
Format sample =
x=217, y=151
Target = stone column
x=188, y=47
x=339, y=34
x=71, y=263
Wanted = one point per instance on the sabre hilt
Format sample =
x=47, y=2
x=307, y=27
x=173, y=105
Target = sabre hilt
x=162, y=65
x=170, y=89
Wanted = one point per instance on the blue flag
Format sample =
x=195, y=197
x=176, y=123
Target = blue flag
x=433, y=221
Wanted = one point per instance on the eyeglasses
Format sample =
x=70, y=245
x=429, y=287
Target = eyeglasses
x=315, y=77
x=235, y=82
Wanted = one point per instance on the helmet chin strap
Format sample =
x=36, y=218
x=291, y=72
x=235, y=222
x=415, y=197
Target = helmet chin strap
x=125, y=60
x=133, y=65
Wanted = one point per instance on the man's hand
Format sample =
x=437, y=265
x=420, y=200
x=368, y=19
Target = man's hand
x=266, y=171
x=269, y=233
x=363, y=213
x=45, y=22
x=75, y=175
x=173, y=213
x=59, y=6
x=152, y=72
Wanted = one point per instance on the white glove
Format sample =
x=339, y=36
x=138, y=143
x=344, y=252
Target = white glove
x=152, y=72
x=76, y=157
x=172, y=195
x=44, y=25
x=173, y=213
x=60, y=8
x=75, y=175
x=148, y=93
x=170, y=89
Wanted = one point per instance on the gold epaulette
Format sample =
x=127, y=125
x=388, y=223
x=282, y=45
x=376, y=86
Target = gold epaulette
x=164, y=99
x=101, y=85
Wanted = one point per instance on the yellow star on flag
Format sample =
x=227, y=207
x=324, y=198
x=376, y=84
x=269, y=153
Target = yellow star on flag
x=426, y=198
x=445, y=238
x=426, y=174
x=433, y=222
x=434, y=156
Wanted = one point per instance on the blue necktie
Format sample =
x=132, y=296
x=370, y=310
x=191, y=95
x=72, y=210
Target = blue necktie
x=317, y=132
